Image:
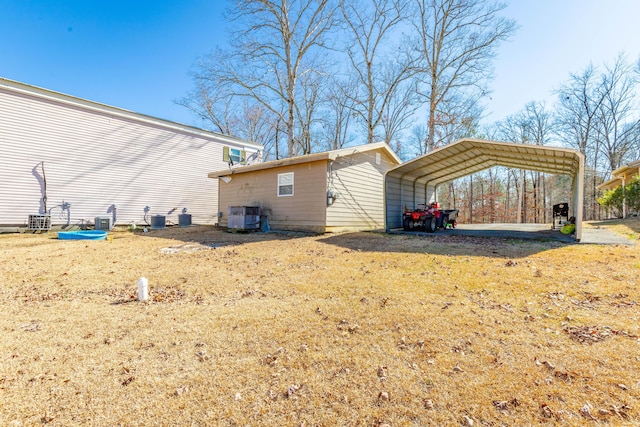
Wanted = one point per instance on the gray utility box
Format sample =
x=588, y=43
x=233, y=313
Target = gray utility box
x=184, y=220
x=158, y=222
x=39, y=223
x=244, y=217
x=103, y=223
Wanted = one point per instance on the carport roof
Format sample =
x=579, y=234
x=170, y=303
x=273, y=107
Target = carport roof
x=469, y=156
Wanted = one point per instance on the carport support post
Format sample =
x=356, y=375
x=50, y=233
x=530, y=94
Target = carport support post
x=578, y=196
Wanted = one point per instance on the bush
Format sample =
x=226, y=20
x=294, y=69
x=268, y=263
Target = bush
x=613, y=199
x=632, y=191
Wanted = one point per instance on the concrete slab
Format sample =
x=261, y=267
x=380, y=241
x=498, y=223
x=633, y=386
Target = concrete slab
x=598, y=236
x=7, y=230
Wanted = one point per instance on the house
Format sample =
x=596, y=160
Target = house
x=76, y=160
x=322, y=192
x=621, y=177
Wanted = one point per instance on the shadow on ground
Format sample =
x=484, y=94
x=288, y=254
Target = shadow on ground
x=442, y=243
x=218, y=237
x=490, y=240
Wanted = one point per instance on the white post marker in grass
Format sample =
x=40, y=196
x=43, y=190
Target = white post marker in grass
x=143, y=289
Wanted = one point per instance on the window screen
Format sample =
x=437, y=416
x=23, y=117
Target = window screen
x=285, y=184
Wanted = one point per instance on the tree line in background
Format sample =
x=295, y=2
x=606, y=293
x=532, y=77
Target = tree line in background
x=301, y=76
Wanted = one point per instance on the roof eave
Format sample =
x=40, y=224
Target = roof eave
x=325, y=155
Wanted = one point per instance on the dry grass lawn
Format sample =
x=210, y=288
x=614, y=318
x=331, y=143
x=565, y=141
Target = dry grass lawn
x=354, y=329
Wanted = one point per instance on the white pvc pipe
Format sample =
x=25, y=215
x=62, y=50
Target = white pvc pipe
x=143, y=289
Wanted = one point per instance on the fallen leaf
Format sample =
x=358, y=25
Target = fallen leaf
x=383, y=395
x=128, y=381
x=382, y=372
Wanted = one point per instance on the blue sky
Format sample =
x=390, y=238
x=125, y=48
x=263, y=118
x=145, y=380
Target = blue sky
x=132, y=54
x=136, y=54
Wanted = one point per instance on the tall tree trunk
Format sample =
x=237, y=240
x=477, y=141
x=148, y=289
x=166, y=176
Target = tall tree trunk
x=492, y=198
x=452, y=196
x=277, y=138
x=520, y=196
x=544, y=199
x=524, y=198
x=470, y=199
x=534, y=182
x=291, y=123
x=482, y=207
x=507, y=199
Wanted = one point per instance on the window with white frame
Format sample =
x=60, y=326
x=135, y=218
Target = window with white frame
x=235, y=155
x=285, y=184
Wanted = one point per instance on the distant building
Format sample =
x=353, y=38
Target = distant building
x=322, y=192
x=621, y=177
x=76, y=159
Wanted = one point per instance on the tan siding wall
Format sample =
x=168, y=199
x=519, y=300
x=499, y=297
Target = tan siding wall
x=359, y=182
x=305, y=210
x=94, y=159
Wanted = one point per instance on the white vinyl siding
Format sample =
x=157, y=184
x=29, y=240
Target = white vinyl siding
x=94, y=159
x=359, y=182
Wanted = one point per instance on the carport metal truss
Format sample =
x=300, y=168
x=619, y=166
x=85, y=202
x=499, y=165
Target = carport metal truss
x=417, y=179
x=470, y=156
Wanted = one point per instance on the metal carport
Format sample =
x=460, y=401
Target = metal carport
x=415, y=181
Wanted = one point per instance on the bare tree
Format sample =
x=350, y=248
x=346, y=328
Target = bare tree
x=579, y=101
x=617, y=117
x=210, y=101
x=306, y=109
x=517, y=128
x=540, y=123
x=272, y=46
x=458, y=120
x=398, y=112
x=257, y=124
x=379, y=67
x=596, y=116
x=221, y=111
x=336, y=120
x=455, y=41
x=540, y=128
x=416, y=139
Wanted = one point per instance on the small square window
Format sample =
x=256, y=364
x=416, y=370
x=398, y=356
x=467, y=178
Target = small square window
x=235, y=155
x=285, y=184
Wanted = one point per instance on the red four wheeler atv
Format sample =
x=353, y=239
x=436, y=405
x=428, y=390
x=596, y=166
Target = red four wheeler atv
x=422, y=218
x=430, y=218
